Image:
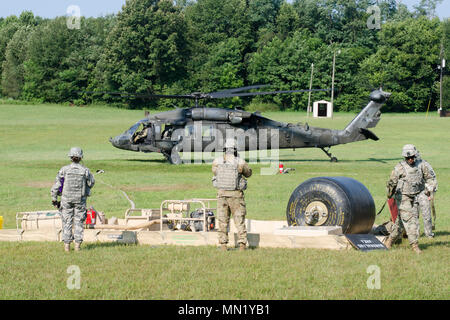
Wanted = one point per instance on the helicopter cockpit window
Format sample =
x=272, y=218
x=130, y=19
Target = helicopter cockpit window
x=136, y=126
x=167, y=132
x=141, y=132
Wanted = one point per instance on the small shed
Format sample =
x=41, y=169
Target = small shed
x=322, y=109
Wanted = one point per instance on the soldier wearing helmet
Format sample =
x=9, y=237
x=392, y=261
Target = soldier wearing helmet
x=73, y=183
x=408, y=179
x=230, y=172
x=426, y=200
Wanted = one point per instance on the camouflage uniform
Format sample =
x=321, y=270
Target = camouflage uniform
x=425, y=203
x=73, y=183
x=231, y=201
x=405, y=184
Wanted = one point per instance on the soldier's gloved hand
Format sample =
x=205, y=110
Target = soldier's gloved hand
x=55, y=203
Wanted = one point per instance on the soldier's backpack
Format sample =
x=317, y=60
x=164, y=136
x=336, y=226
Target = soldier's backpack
x=75, y=186
x=227, y=176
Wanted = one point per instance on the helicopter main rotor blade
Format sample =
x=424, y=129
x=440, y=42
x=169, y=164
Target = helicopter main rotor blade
x=235, y=90
x=136, y=95
x=229, y=93
x=248, y=94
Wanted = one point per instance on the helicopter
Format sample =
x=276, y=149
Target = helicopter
x=205, y=129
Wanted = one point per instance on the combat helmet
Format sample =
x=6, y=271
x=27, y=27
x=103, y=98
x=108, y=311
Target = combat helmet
x=409, y=150
x=229, y=144
x=76, y=152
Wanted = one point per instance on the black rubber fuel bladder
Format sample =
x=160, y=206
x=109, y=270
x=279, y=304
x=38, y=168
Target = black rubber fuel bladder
x=332, y=201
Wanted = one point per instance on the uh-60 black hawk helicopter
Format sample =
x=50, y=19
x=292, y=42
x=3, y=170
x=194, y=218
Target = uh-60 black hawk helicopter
x=205, y=129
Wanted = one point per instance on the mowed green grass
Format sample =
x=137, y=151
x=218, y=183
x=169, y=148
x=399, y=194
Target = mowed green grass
x=34, y=141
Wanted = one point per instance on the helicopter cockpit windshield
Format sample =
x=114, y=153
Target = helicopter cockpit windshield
x=136, y=126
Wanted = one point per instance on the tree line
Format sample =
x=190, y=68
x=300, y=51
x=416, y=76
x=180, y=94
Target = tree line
x=178, y=47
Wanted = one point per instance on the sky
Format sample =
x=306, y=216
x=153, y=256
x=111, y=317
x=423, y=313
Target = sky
x=96, y=8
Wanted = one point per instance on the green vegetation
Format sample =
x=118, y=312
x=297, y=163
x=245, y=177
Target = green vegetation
x=178, y=47
x=35, y=139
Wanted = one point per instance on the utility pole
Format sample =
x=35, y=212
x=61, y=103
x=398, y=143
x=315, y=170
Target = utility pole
x=310, y=87
x=440, y=81
x=332, y=78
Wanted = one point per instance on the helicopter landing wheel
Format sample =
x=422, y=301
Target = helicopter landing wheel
x=174, y=158
x=332, y=158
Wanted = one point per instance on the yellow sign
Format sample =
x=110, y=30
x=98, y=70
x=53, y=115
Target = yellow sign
x=1, y=222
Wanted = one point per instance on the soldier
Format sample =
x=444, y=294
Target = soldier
x=407, y=180
x=73, y=183
x=230, y=172
x=426, y=198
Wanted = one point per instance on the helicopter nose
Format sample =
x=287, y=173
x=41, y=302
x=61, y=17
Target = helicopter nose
x=121, y=141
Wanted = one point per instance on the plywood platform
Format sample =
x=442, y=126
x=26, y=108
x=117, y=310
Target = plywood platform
x=185, y=238
x=260, y=234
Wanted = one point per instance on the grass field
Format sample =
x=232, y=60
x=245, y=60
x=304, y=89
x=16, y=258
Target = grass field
x=34, y=141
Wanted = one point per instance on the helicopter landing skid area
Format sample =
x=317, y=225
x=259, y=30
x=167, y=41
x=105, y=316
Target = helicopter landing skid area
x=327, y=152
x=173, y=224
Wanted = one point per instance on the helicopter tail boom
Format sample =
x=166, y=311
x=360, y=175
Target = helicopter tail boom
x=369, y=117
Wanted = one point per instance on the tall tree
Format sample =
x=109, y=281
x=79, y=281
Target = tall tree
x=446, y=49
x=286, y=65
x=12, y=69
x=8, y=28
x=49, y=46
x=223, y=68
x=287, y=21
x=146, y=50
x=210, y=23
x=427, y=8
x=262, y=15
x=336, y=21
x=405, y=62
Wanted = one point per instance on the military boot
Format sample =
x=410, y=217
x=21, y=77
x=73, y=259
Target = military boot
x=415, y=247
x=242, y=247
x=66, y=247
x=388, y=243
x=77, y=246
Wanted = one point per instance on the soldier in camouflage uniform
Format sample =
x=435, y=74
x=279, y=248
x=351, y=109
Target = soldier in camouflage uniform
x=407, y=180
x=230, y=172
x=425, y=199
x=73, y=183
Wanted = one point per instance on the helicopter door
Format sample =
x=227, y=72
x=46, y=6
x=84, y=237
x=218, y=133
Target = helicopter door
x=154, y=131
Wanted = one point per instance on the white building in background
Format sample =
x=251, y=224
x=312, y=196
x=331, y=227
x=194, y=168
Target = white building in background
x=322, y=109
